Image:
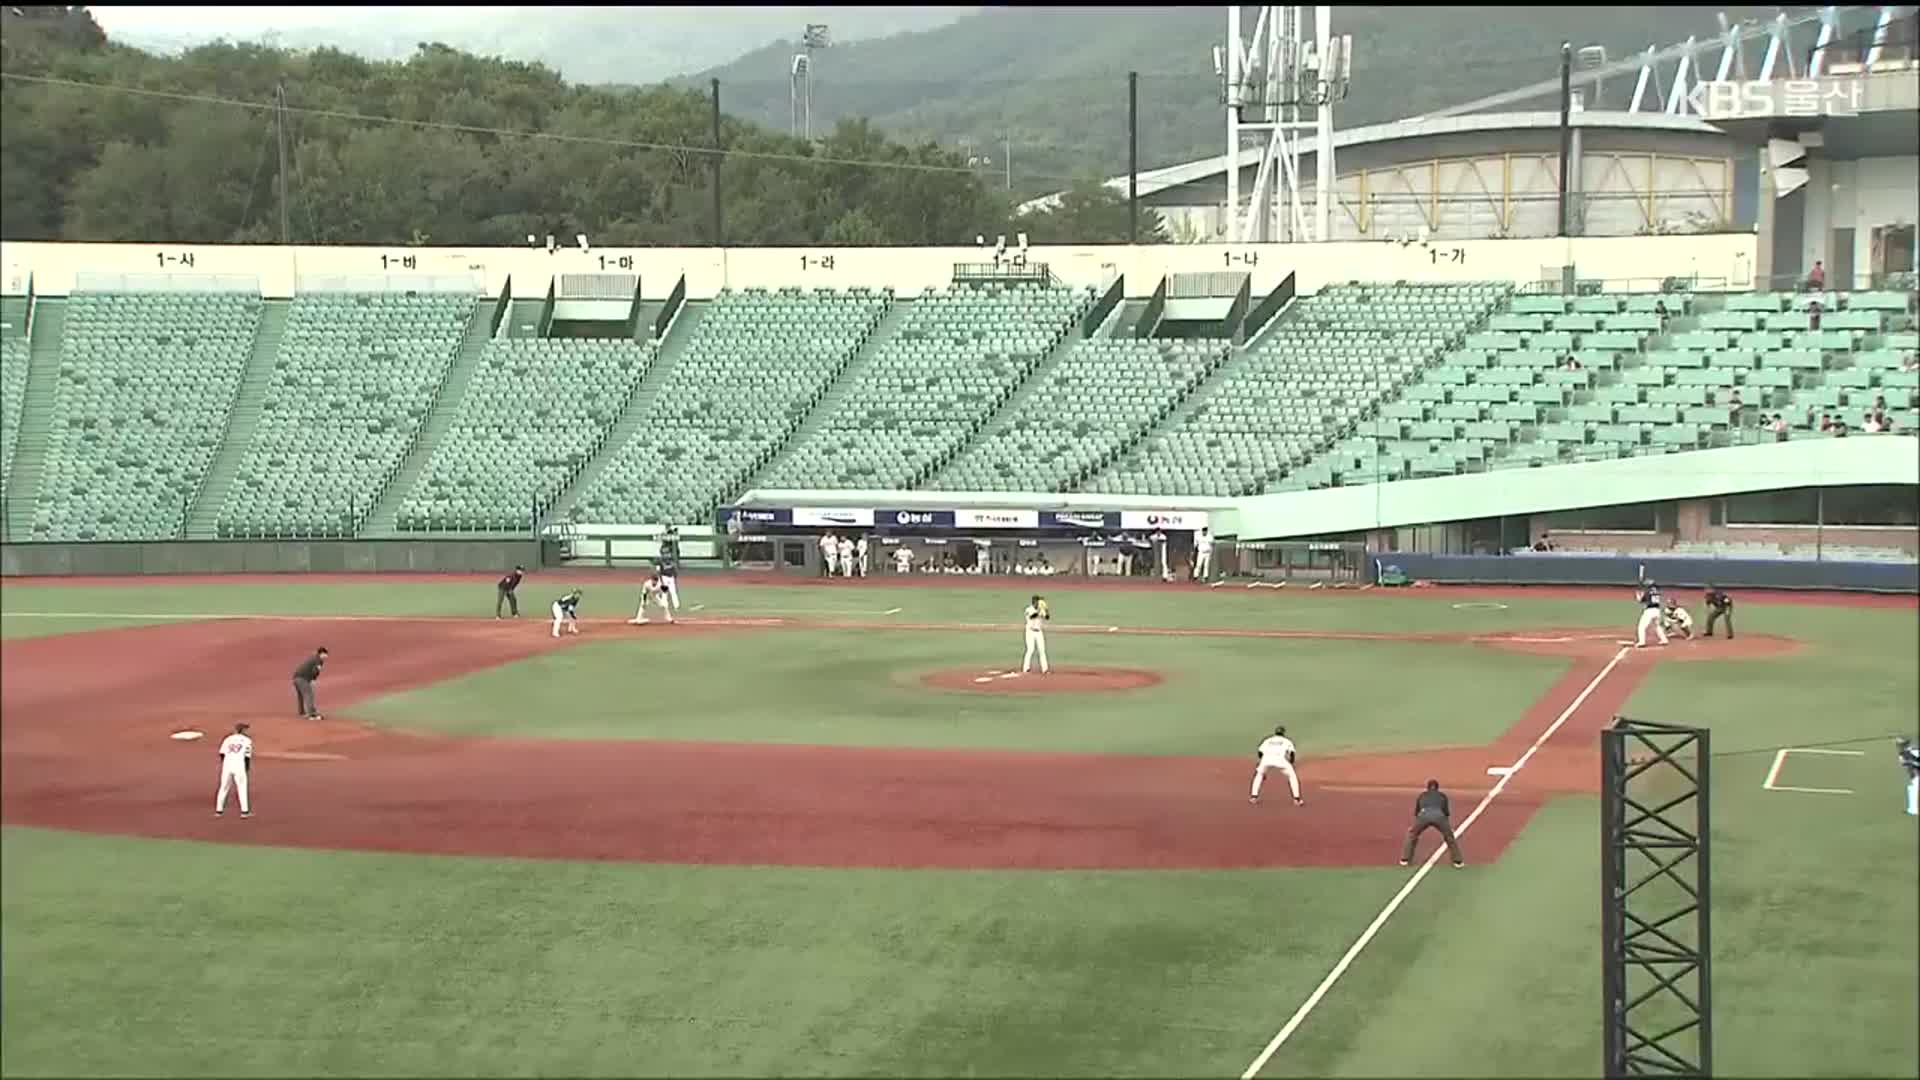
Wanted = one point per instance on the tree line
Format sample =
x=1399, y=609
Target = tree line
x=448, y=148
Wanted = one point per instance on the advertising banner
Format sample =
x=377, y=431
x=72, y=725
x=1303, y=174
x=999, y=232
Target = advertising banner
x=914, y=519
x=838, y=517
x=1174, y=520
x=996, y=519
x=1079, y=519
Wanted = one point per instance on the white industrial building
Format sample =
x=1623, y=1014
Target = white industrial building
x=1656, y=143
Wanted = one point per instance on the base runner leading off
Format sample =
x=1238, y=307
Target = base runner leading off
x=1275, y=752
x=236, y=762
x=1037, y=616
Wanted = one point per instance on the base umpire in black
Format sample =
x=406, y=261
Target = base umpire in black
x=505, y=593
x=1719, y=606
x=303, y=677
x=1432, y=811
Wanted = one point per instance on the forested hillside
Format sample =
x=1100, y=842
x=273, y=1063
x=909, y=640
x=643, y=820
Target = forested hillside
x=434, y=149
x=1050, y=83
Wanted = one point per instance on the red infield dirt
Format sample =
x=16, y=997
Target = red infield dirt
x=1061, y=680
x=85, y=721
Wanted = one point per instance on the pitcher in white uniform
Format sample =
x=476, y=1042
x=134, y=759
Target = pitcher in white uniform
x=1275, y=752
x=1037, y=616
x=236, y=762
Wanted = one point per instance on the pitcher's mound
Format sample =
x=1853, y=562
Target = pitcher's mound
x=1080, y=680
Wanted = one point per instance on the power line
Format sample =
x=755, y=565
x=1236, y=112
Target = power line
x=549, y=136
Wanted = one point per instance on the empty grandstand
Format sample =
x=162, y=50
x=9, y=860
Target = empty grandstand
x=1099, y=400
x=535, y=411
x=753, y=364
x=352, y=383
x=1259, y=423
x=146, y=382
x=181, y=412
x=956, y=358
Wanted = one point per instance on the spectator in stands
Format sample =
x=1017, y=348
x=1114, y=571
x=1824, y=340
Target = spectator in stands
x=1813, y=315
x=1660, y=309
x=1545, y=543
x=1911, y=362
x=1735, y=407
x=1839, y=428
x=1778, y=427
x=1570, y=364
x=1872, y=424
x=1817, y=277
x=1826, y=422
x=1880, y=403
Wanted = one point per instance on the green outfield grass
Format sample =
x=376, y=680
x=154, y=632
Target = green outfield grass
x=861, y=688
x=210, y=960
x=152, y=957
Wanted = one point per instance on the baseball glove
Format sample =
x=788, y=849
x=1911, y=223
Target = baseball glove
x=1044, y=610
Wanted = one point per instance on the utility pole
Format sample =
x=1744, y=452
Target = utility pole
x=280, y=132
x=719, y=236
x=1133, y=157
x=1566, y=128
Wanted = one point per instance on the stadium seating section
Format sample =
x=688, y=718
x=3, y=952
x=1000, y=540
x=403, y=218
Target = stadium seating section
x=755, y=366
x=1558, y=379
x=14, y=353
x=989, y=387
x=1100, y=398
x=956, y=358
x=145, y=387
x=1320, y=370
x=352, y=383
x=536, y=410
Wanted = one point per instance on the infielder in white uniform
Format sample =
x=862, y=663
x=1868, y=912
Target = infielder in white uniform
x=236, y=762
x=846, y=556
x=1275, y=752
x=653, y=591
x=1037, y=616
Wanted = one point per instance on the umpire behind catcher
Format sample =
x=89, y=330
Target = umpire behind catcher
x=505, y=592
x=303, y=677
x=1432, y=811
x=1719, y=606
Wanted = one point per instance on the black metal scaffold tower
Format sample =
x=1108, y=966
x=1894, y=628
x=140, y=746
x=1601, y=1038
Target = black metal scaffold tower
x=1655, y=900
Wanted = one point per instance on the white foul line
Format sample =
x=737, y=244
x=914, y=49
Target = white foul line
x=1780, y=760
x=1313, y=1000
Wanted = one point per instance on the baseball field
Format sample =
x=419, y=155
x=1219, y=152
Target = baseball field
x=822, y=828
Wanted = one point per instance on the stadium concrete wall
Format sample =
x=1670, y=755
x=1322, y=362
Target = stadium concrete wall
x=1696, y=474
x=268, y=557
x=1719, y=261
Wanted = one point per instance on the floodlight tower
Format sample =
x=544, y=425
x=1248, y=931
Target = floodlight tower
x=800, y=79
x=1270, y=82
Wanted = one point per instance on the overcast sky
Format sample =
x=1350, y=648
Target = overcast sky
x=243, y=21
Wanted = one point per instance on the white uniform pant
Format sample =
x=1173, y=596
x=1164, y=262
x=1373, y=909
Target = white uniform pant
x=1682, y=623
x=671, y=583
x=658, y=596
x=1036, y=646
x=1202, y=563
x=1913, y=795
x=561, y=618
x=1282, y=766
x=1650, y=618
x=237, y=778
